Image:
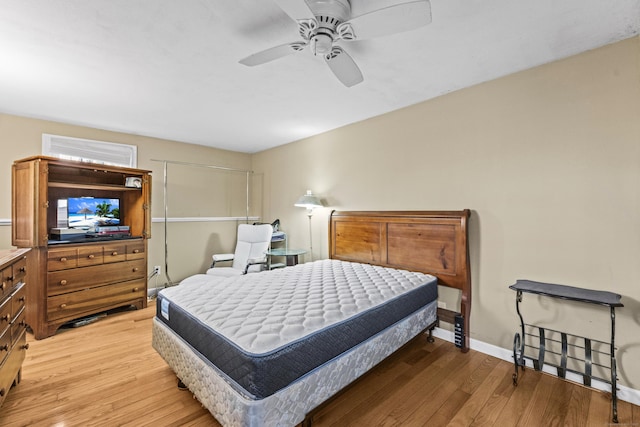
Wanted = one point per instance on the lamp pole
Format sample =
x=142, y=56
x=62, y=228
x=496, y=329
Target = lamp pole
x=309, y=201
x=309, y=214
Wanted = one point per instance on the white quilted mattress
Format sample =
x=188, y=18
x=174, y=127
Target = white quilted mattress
x=266, y=330
x=281, y=323
x=263, y=311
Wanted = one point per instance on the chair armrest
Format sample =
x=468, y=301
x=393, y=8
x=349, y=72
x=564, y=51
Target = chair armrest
x=257, y=260
x=221, y=257
x=254, y=261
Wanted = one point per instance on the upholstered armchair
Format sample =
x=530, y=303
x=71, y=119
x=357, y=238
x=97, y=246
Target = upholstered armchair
x=249, y=256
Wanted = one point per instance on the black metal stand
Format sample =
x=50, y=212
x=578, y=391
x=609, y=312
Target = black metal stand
x=567, y=341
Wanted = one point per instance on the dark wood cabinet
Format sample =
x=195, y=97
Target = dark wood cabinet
x=91, y=273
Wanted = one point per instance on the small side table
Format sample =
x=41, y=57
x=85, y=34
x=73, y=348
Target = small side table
x=291, y=256
x=568, y=342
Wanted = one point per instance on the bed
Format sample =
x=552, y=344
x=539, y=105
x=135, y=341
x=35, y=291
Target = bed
x=267, y=348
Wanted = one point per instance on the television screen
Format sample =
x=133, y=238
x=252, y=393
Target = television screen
x=88, y=212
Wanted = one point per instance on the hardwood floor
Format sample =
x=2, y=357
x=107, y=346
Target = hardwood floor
x=107, y=374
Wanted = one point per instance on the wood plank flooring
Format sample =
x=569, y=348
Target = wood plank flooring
x=107, y=374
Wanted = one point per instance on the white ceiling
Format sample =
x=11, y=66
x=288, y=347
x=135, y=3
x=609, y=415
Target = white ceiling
x=169, y=69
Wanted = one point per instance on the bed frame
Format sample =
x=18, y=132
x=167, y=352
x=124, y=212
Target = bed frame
x=433, y=242
x=424, y=241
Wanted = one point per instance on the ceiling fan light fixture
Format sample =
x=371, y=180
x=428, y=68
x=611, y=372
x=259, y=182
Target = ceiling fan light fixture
x=321, y=44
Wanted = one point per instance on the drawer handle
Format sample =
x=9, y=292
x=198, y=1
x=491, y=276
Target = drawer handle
x=136, y=251
x=6, y=318
x=92, y=256
x=135, y=269
x=25, y=346
x=135, y=290
x=63, y=306
x=23, y=323
x=10, y=278
x=22, y=299
x=63, y=282
x=4, y=286
x=23, y=269
x=3, y=391
x=4, y=348
x=63, y=259
x=114, y=253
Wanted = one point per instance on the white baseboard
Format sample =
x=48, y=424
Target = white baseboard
x=624, y=393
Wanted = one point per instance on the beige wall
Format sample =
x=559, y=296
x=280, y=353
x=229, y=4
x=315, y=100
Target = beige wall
x=548, y=160
x=193, y=192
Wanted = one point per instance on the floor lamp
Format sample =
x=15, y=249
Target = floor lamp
x=309, y=201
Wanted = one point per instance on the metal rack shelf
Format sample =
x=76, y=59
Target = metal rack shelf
x=568, y=342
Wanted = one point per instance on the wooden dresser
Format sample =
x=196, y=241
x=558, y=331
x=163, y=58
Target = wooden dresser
x=86, y=275
x=13, y=344
x=92, y=277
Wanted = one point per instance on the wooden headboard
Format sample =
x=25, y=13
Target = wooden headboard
x=433, y=242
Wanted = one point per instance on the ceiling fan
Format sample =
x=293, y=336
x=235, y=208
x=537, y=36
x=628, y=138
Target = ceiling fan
x=321, y=23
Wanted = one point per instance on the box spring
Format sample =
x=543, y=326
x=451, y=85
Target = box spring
x=263, y=333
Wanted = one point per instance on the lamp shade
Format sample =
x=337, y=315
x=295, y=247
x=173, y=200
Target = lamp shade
x=309, y=201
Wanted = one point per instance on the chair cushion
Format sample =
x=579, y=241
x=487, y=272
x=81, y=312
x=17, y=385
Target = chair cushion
x=253, y=242
x=224, y=271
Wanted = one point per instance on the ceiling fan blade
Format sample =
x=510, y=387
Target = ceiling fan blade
x=389, y=20
x=272, y=53
x=296, y=9
x=344, y=67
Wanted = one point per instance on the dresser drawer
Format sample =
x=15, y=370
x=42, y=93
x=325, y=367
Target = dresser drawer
x=6, y=314
x=61, y=259
x=18, y=300
x=115, y=252
x=18, y=326
x=75, y=304
x=135, y=250
x=89, y=255
x=5, y=343
x=60, y=282
x=10, y=368
x=19, y=270
x=6, y=281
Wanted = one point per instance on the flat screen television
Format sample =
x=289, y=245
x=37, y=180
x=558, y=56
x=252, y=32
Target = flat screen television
x=89, y=212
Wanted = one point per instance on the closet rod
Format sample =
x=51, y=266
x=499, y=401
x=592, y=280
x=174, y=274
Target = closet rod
x=200, y=165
